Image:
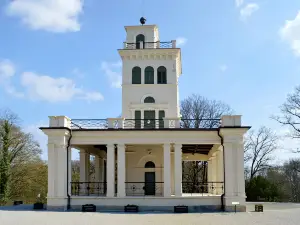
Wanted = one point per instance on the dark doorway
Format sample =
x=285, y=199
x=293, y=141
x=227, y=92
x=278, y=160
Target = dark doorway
x=138, y=39
x=149, y=119
x=149, y=183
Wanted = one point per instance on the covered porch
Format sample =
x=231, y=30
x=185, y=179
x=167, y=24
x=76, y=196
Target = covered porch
x=193, y=170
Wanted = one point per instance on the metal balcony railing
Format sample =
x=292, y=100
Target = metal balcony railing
x=121, y=123
x=150, y=45
x=88, y=188
x=144, y=188
x=203, y=188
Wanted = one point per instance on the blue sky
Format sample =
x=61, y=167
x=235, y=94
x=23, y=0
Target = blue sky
x=60, y=57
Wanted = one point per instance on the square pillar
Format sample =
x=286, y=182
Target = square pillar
x=110, y=170
x=61, y=171
x=167, y=170
x=178, y=169
x=220, y=173
x=52, y=167
x=121, y=170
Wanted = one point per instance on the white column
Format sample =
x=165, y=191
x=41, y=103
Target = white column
x=167, y=170
x=97, y=168
x=121, y=170
x=110, y=170
x=101, y=166
x=178, y=169
x=84, y=166
x=213, y=174
x=156, y=118
x=142, y=118
x=209, y=175
x=84, y=158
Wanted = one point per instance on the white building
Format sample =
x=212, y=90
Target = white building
x=139, y=156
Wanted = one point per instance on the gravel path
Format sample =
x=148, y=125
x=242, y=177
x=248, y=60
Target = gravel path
x=285, y=214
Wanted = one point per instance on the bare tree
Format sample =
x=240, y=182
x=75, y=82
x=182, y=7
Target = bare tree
x=200, y=112
x=290, y=111
x=194, y=173
x=259, y=148
x=292, y=179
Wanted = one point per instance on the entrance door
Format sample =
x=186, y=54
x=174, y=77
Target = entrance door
x=149, y=183
x=149, y=119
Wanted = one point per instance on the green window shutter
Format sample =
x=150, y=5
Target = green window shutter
x=137, y=119
x=161, y=75
x=149, y=75
x=161, y=115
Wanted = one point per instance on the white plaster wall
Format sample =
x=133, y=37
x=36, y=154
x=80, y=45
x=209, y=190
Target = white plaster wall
x=162, y=93
x=150, y=201
x=149, y=31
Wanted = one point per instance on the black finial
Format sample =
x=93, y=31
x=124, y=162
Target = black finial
x=143, y=20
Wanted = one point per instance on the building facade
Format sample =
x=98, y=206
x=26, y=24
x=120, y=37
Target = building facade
x=140, y=155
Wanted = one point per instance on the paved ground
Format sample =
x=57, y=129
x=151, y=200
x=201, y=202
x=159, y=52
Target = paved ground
x=275, y=214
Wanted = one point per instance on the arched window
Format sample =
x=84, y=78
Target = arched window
x=149, y=100
x=149, y=75
x=149, y=164
x=161, y=75
x=138, y=39
x=136, y=75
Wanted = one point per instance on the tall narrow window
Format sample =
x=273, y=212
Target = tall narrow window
x=161, y=75
x=137, y=119
x=149, y=75
x=136, y=75
x=138, y=40
x=161, y=116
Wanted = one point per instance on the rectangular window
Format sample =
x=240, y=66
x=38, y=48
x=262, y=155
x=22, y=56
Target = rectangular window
x=137, y=119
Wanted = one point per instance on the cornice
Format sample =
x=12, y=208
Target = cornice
x=150, y=53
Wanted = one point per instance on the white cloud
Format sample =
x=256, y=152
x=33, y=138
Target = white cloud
x=78, y=73
x=43, y=87
x=239, y=3
x=223, y=67
x=181, y=41
x=114, y=77
x=7, y=71
x=49, y=15
x=248, y=10
x=290, y=32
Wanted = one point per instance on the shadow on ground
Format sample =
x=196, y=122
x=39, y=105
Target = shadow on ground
x=268, y=206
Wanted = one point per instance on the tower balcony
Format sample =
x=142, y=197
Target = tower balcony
x=150, y=45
